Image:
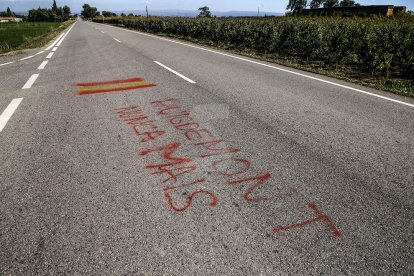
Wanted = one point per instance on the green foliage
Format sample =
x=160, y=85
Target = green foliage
x=376, y=45
x=204, y=12
x=55, y=8
x=7, y=13
x=66, y=13
x=296, y=5
x=108, y=14
x=15, y=36
x=89, y=12
x=347, y=3
x=315, y=4
x=330, y=3
x=54, y=14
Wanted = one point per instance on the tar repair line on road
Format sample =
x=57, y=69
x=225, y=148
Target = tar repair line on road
x=272, y=67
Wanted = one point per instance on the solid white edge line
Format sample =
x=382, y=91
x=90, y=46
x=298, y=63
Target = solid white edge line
x=175, y=72
x=63, y=38
x=26, y=58
x=50, y=55
x=42, y=65
x=8, y=112
x=30, y=81
x=117, y=40
x=270, y=66
x=54, y=49
x=54, y=43
x=41, y=52
x=7, y=63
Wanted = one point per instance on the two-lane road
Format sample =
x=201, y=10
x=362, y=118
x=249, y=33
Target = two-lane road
x=209, y=164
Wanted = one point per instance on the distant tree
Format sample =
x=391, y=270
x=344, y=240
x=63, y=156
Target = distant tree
x=331, y=4
x=296, y=5
x=66, y=13
x=55, y=8
x=204, y=12
x=131, y=14
x=39, y=15
x=108, y=14
x=9, y=12
x=315, y=4
x=347, y=3
x=89, y=12
x=53, y=16
x=123, y=14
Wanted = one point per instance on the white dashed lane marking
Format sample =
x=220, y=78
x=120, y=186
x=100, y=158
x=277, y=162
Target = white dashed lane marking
x=8, y=112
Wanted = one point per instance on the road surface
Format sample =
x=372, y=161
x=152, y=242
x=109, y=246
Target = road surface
x=210, y=164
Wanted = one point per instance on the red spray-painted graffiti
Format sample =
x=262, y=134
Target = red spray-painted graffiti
x=320, y=217
x=176, y=168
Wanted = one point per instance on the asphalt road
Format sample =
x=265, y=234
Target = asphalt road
x=227, y=166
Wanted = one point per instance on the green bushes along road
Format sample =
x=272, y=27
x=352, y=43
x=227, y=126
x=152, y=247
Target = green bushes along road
x=375, y=51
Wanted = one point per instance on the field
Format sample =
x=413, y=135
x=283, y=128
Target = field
x=17, y=36
x=374, y=51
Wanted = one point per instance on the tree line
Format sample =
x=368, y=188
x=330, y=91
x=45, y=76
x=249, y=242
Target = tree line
x=90, y=12
x=54, y=14
x=7, y=13
x=298, y=5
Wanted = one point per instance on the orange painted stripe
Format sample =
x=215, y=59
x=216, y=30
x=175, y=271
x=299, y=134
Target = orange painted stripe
x=114, y=90
x=109, y=82
x=112, y=86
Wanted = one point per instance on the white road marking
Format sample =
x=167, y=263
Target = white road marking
x=54, y=49
x=50, y=55
x=41, y=52
x=175, y=72
x=8, y=112
x=117, y=40
x=30, y=81
x=270, y=66
x=7, y=63
x=42, y=65
x=26, y=58
x=63, y=38
x=102, y=32
x=54, y=43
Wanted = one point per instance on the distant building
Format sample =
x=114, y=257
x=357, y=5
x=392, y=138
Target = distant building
x=386, y=10
x=10, y=19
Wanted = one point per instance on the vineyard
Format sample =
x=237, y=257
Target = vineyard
x=376, y=50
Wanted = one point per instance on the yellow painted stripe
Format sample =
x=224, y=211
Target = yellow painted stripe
x=112, y=86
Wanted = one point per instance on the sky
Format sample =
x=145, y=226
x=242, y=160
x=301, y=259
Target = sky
x=215, y=5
